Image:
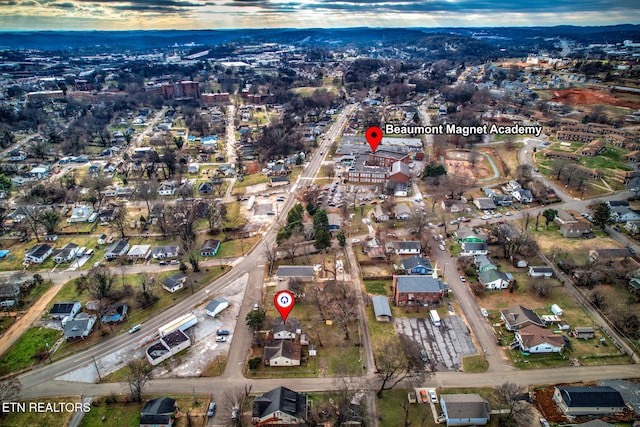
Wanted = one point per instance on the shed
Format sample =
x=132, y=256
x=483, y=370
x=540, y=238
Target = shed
x=584, y=332
x=216, y=305
x=381, y=308
x=555, y=309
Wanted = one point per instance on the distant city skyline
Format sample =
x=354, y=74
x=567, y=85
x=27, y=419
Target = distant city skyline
x=20, y=15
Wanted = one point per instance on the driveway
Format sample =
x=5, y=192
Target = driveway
x=445, y=345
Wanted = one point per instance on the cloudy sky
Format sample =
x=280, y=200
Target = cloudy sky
x=213, y=14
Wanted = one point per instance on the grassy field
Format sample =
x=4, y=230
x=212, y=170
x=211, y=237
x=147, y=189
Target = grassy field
x=393, y=415
x=474, y=364
x=42, y=419
x=32, y=342
x=611, y=158
x=378, y=287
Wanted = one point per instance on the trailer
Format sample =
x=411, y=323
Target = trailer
x=183, y=323
x=252, y=201
x=435, y=318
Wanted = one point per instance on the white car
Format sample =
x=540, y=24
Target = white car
x=221, y=339
x=484, y=312
x=354, y=241
x=485, y=217
x=441, y=247
x=498, y=215
x=509, y=214
x=463, y=279
x=433, y=396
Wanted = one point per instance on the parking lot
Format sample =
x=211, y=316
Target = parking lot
x=445, y=345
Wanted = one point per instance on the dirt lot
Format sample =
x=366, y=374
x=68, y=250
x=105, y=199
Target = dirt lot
x=590, y=97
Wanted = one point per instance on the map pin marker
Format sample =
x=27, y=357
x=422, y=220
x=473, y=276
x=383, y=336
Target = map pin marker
x=374, y=136
x=284, y=302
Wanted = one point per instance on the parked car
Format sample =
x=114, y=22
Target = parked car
x=222, y=332
x=8, y=303
x=163, y=263
x=423, y=356
x=484, y=312
x=256, y=307
x=433, y=396
x=463, y=279
x=135, y=328
x=212, y=409
x=221, y=339
x=509, y=213
x=442, y=248
x=354, y=241
x=616, y=228
x=423, y=396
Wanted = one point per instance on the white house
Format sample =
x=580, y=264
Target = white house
x=162, y=252
x=534, y=339
x=66, y=254
x=167, y=189
x=80, y=214
x=403, y=212
x=288, y=330
x=193, y=168
x=215, y=306
x=38, y=254
x=540, y=271
x=406, y=247
x=494, y=279
x=139, y=252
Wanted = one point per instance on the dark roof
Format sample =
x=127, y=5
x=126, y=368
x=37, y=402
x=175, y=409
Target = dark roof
x=175, y=338
x=458, y=406
x=159, y=406
x=117, y=247
x=291, y=325
x=295, y=271
x=518, y=315
x=79, y=326
x=591, y=397
x=407, y=244
x=416, y=261
x=541, y=269
x=280, y=399
x=39, y=251
x=154, y=419
x=174, y=280
x=62, y=307
x=209, y=245
x=474, y=246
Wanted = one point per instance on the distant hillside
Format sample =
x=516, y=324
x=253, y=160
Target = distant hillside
x=134, y=41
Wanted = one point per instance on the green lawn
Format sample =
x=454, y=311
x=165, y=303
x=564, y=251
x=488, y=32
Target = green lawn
x=611, y=158
x=392, y=414
x=474, y=364
x=21, y=354
x=378, y=287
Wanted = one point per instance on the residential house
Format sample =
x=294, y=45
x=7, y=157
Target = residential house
x=288, y=330
x=574, y=229
x=116, y=249
x=115, y=313
x=452, y=206
x=170, y=344
x=216, y=306
x=175, y=282
x=540, y=271
x=193, y=168
x=379, y=215
x=210, y=247
x=474, y=248
x=60, y=310
x=502, y=200
x=534, y=339
x=80, y=214
x=164, y=252
x=139, y=252
x=79, y=327
x=633, y=227
x=465, y=234
x=402, y=212
x=297, y=272
x=493, y=279
x=280, y=407
x=282, y=353
x=278, y=181
x=464, y=409
x=406, y=247
x=522, y=195
x=158, y=412
x=38, y=254
x=609, y=254
x=381, y=308
x=65, y=254
x=417, y=290
x=634, y=285
x=167, y=189
x=483, y=263
x=624, y=214
x=517, y=317
x=417, y=264
x=588, y=400
x=205, y=188
x=484, y=203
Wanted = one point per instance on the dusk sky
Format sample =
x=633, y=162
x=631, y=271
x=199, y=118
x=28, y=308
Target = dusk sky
x=215, y=14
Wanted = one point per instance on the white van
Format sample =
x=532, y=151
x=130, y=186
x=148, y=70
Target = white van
x=435, y=318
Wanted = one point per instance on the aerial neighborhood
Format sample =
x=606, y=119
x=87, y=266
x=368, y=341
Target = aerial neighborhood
x=474, y=265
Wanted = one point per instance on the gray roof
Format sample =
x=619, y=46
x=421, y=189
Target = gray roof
x=214, y=303
x=399, y=167
x=418, y=284
x=280, y=399
x=483, y=261
x=78, y=326
x=458, y=406
x=407, y=244
x=295, y=271
x=489, y=276
x=381, y=306
x=416, y=261
x=518, y=315
x=591, y=397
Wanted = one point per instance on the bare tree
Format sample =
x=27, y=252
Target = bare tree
x=236, y=404
x=520, y=411
x=147, y=191
x=139, y=373
x=270, y=253
x=342, y=306
x=393, y=366
x=599, y=298
x=120, y=221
